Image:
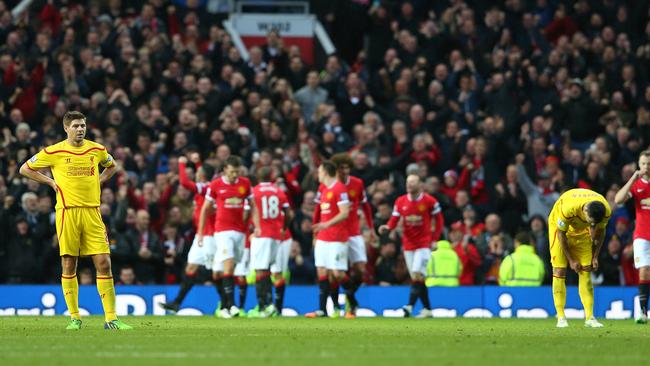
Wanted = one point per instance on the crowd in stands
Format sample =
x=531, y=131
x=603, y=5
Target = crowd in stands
x=499, y=106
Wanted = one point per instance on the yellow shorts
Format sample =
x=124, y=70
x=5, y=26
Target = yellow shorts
x=580, y=247
x=81, y=232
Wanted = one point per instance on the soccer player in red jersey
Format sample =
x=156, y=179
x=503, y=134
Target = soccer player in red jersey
x=270, y=213
x=330, y=228
x=638, y=187
x=356, y=246
x=197, y=256
x=280, y=265
x=418, y=212
x=242, y=269
x=229, y=192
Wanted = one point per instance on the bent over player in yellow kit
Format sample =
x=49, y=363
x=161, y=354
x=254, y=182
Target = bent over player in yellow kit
x=576, y=229
x=75, y=163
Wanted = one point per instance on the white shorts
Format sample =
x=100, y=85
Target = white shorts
x=281, y=263
x=230, y=244
x=417, y=260
x=242, y=268
x=357, y=249
x=202, y=255
x=263, y=253
x=331, y=255
x=217, y=267
x=641, y=253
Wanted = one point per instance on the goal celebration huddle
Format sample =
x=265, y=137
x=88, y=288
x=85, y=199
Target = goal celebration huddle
x=242, y=228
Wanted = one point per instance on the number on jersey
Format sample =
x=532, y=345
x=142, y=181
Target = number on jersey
x=270, y=207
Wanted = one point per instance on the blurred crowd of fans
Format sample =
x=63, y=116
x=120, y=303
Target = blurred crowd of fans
x=498, y=105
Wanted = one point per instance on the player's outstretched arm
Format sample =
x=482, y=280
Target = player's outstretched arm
x=624, y=193
x=391, y=224
x=35, y=175
x=205, y=211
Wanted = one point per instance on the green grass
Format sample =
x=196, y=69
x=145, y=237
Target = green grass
x=197, y=341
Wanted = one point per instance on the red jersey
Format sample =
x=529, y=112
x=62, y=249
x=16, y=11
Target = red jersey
x=199, y=190
x=357, y=195
x=417, y=215
x=328, y=200
x=270, y=202
x=640, y=191
x=230, y=199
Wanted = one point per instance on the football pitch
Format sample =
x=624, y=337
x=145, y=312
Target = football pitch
x=297, y=341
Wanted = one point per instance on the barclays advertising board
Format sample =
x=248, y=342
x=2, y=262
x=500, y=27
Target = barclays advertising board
x=480, y=302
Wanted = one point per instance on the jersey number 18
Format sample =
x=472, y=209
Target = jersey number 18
x=270, y=207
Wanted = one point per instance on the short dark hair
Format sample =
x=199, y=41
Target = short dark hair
x=341, y=159
x=596, y=210
x=264, y=174
x=70, y=116
x=208, y=170
x=128, y=267
x=523, y=237
x=233, y=161
x=329, y=167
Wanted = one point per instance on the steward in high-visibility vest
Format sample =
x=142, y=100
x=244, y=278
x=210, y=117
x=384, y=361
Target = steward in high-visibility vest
x=523, y=267
x=444, y=266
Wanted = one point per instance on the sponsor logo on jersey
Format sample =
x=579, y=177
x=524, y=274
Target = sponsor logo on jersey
x=233, y=201
x=80, y=171
x=324, y=206
x=645, y=202
x=413, y=219
x=33, y=159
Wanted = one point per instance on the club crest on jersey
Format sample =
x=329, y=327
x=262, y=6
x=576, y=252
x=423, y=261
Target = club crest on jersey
x=561, y=224
x=241, y=190
x=92, y=159
x=421, y=208
x=329, y=195
x=353, y=193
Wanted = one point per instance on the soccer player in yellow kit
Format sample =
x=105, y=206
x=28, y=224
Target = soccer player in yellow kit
x=576, y=230
x=74, y=164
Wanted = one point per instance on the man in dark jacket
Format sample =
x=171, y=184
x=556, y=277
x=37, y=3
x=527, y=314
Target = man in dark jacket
x=149, y=262
x=24, y=253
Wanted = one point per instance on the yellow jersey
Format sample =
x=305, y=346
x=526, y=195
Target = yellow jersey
x=75, y=171
x=568, y=215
